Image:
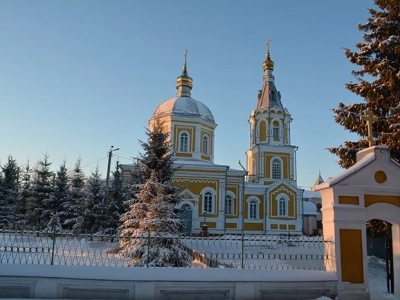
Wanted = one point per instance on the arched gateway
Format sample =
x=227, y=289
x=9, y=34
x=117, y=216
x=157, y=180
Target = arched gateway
x=368, y=190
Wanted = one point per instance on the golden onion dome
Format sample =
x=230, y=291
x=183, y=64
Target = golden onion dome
x=268, y=63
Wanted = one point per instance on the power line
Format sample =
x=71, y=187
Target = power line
x=95, y=162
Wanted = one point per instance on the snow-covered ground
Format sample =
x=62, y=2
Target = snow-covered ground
x=231, y=252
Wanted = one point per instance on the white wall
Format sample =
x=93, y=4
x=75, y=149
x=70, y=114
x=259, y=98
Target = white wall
x=73, y=282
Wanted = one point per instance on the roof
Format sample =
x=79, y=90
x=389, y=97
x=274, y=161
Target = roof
x=319, y=180
x=185, y=106
x=269, y=96
x=310, y=209
x=311, y=194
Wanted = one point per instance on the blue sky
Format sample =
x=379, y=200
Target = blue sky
x=79, y=76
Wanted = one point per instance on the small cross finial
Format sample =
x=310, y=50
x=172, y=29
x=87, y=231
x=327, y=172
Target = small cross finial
x=267, y=43
x=369, y=118
x=186, y=52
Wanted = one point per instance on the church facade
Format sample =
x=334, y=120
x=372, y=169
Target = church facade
x=263, y=197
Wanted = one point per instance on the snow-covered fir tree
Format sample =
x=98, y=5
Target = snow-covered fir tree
x=55, y=205
x=151, y=226
x=9, y=192
x=42, y=188
x=377, y=83
x=24, y=195
x=94, y=212
x=75, y=206
x=117, y=194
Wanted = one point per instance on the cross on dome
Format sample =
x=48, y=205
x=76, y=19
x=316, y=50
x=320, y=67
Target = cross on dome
x=267, y=43
x=370, y=119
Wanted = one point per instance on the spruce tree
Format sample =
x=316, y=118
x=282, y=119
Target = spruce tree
x=42, y=188
x=117, y=194
x=378, y=84
x=94, y=211
x=76, y=204
x=55, y=205
x=151, y=226
x=9, y=192
x=24, y=195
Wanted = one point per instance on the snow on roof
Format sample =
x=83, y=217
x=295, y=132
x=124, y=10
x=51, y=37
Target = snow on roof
x=185, y=106
x=365, y=161
x=311, y=194
x=309, y=208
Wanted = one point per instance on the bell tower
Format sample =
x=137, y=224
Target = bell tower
x=271, y=157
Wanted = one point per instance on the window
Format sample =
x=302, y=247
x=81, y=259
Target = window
x=275, y=133
x=282, y=207
x=276, y=168
x=228, y=205
x=184, y=142
x=253, y=207
x=208, y=202
x=205, y=145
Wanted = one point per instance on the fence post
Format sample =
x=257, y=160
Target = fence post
x=242, y=261
x=54, y=244
x=148, y=249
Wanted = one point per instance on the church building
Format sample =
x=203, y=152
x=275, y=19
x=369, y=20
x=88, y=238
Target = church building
x=263, y=197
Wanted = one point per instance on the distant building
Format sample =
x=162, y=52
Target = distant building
x=261, y=198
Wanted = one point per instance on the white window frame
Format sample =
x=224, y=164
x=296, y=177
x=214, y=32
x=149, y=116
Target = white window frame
x=181, y=146
x=232, y=205
x=205, y=145
x=285, y=199
x=205, y=192
x=256, y=202
x=276, y=158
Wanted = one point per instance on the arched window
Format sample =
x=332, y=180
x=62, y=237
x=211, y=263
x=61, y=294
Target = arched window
x=276, y=168
x=184, y=142
x=208, y=202
x=253, y=209
x=229, y=205
x=205, y=145
x=282, y=207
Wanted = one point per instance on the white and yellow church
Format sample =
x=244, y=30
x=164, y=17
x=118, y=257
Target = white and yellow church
x=261, y=198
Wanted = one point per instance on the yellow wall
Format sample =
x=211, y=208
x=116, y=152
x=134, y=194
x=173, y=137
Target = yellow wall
x=273, y=203
x=372, y=199
x=196, y=186
x=351, y=255
x=191, y=130
x=349, y=200
x=231, y=225
x=285, y=159
x=260, y=206
x=253, y=226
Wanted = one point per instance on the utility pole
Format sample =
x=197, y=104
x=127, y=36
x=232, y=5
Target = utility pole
x=109, y=163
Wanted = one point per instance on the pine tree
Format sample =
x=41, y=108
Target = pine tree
x=42, y=188
x=24, y=195
x=55, y=205
x=75, y=206
x=9, y=192
x=117, y=194
x=151, y=225
x=94, y=210
x=378, y=83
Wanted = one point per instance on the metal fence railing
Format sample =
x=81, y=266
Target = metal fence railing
x=246, y=251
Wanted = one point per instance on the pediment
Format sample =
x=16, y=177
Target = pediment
x=186, y=194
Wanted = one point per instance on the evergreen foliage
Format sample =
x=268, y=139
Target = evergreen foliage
x=60, y=196
x=74, y=207
x=151, y=226
x=24, y=195
x=42, y=188
x=9, y=192
x=94, y=211
x=117, y=195
x=378, y=83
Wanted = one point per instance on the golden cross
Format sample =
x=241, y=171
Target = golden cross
x=267, y=43
x=186, y=52
x=369, y=118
